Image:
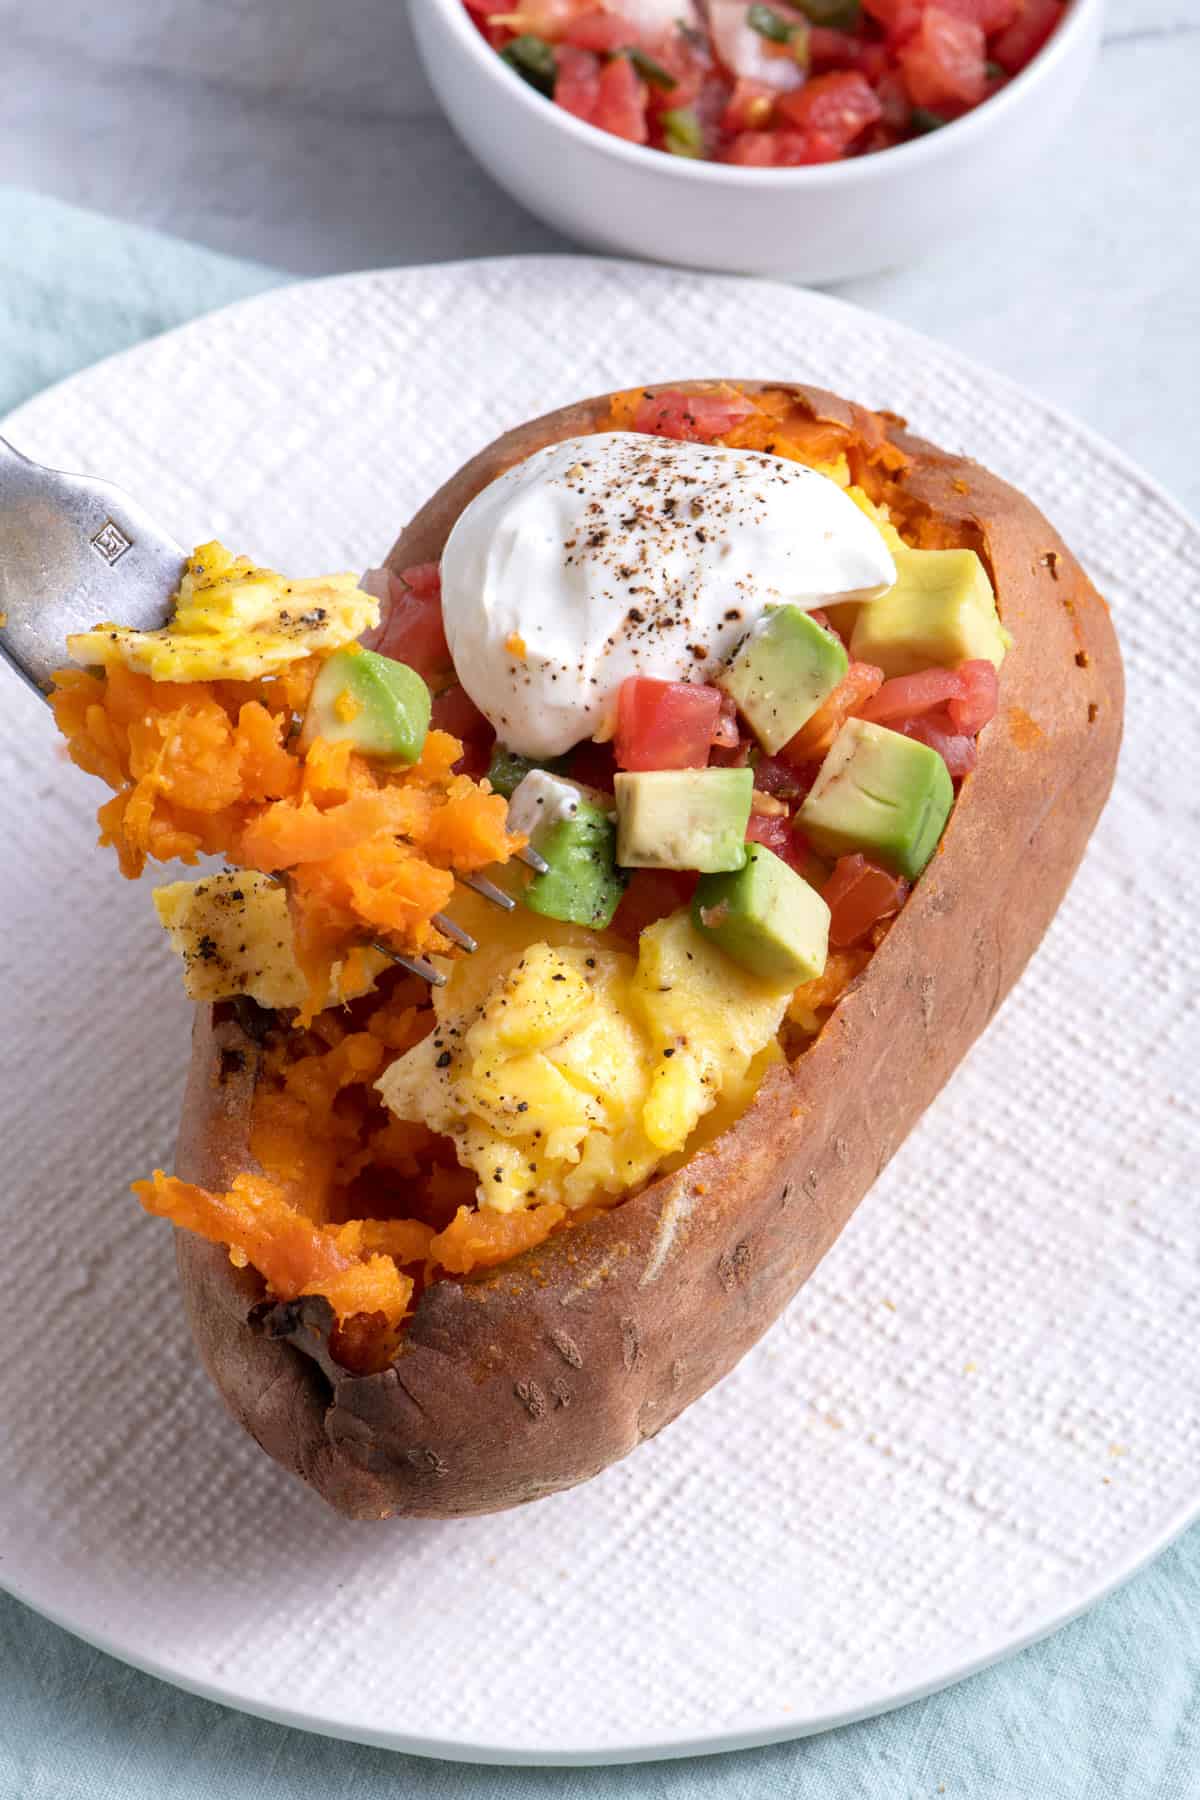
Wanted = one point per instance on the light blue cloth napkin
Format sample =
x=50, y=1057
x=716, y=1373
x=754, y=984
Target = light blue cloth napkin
x=1109, y=1709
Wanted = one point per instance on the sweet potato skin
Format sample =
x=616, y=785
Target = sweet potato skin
x=543, y=1372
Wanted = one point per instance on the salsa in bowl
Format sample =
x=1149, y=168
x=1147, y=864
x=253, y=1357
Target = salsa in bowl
x=749, y=202
x=782, y=85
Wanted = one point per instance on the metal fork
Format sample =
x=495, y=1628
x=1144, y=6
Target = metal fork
x=75, y=550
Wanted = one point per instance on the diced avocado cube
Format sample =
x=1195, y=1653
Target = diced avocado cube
x=507, y=770
x=765, y=917
x=379, y=705
x=683, y=818
x=941, y=610
x=879, y=792
x=787, y=668
x=583, y=884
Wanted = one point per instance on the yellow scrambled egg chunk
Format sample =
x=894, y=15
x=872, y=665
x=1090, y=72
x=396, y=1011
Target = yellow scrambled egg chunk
x=234, y=935
x=233, y=621
x=573, y=1071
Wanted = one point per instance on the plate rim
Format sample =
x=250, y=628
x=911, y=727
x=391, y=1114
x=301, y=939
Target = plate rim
x=661, y=1749
x=784, y=1728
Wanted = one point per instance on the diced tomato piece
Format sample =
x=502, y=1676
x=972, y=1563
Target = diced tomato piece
x=837, y=108
x=455, y=711
x=695, y=418
x=577, y=85
x=989, y=15
x=908, y=696
x=424, y=579
x=944, y=63
x=830, y=49
x=750, y=107
x=899, y=18
x=971, y=710
x=777, y=834
x=797, y=149
x=411, y=629
x=665, y=724
x=751, y=150
x=810, y=743
x=621, y=104
x=936, y=729
x=1020, y=43
x=602, y=31
x=858, y=894
x=651, y=895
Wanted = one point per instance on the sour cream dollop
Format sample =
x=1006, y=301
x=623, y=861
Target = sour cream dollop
x=620, y=554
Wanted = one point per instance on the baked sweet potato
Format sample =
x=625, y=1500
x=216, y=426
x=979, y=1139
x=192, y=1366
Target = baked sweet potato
x=536, y=1375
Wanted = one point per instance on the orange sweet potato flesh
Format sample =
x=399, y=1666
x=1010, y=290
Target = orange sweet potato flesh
x=536, y=1375
x=204, y=767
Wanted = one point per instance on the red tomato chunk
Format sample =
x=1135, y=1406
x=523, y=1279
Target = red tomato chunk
x=945, y=63
x=778, y=834
x=1020, y=43
x=908, y=696
x=968, y=695
x=835, y=109
x=411, y=628
x=693, y=418
x=621, y=102
x=665, y=724
x=937, y=730
x=859, y=894
x=763, y=86
x=651, y=895
x=975, y=705
x=578, y=85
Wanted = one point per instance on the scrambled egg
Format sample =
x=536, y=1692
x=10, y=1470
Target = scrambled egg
x=235, y=937
x=234, y=622
x=567, y=1070
x=879, y=517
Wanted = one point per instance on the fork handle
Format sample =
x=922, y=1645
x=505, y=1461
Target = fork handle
x=74, y=552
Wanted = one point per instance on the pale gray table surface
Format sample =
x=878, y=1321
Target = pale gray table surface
x=303, y=133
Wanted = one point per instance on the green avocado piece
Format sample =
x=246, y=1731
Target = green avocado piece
x=379, y=705
x=941, y=610
x=683, y=818
x=507, y=770
x=879, y=792
x=765, y=917
x=583, y=884
x=779, y=676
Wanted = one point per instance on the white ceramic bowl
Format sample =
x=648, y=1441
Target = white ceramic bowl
x=822, y=223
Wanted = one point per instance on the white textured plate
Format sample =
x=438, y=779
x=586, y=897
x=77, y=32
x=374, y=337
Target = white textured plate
x=976, y=1419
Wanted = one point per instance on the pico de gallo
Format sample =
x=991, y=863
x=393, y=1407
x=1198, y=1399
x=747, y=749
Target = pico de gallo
x=676, y=725
x=776, y=85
